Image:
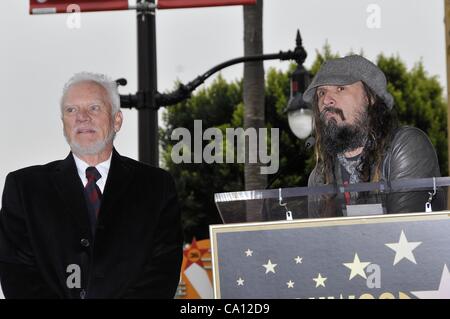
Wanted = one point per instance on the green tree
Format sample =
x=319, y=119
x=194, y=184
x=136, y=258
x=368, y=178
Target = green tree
x=218, y=105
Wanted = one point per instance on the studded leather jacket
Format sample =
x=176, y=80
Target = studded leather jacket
x=409, y=155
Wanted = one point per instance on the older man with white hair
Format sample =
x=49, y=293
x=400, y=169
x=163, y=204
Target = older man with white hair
x=96, y=224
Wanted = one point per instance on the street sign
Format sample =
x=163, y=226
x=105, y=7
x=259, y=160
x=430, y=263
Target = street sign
x=64, y=6
x=174, y=4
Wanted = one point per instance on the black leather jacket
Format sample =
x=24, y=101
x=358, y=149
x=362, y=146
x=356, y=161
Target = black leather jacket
x=409, y=155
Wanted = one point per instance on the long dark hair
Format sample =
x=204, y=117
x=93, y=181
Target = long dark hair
x=382, y=124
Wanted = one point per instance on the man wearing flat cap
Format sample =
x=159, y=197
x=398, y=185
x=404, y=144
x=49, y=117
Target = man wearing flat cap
x=358, y=139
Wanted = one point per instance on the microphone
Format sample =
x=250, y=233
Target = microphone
x=310, y=141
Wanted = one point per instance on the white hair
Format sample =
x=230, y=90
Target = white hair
x=101, y=79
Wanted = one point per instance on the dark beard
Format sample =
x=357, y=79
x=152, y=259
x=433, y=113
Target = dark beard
x=343, y=138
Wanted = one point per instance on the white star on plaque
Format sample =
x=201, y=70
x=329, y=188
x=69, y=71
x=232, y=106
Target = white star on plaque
x=404, y=249
x=290, y=284
x=270, y=267
x=443, y=291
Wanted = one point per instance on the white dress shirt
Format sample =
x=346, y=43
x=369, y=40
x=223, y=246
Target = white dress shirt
x=103, y=169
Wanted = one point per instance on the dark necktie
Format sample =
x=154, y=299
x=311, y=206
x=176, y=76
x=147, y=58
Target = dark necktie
x=92, y=194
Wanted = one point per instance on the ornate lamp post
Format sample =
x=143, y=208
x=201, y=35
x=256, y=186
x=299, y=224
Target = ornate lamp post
x=300, y=115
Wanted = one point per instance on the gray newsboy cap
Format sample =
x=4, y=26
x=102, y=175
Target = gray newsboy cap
x=348, y=70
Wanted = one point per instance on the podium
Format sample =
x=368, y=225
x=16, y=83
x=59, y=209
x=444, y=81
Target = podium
x=364, y=253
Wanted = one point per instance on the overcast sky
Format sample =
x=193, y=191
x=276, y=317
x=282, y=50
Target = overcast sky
x=39, y=54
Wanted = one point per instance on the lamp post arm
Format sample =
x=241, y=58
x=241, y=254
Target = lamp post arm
x=184, y=91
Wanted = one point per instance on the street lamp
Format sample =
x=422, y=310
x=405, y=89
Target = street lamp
x=300, y=115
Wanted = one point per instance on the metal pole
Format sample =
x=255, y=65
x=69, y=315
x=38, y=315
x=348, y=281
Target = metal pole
x=148, y=117
x=447, y=53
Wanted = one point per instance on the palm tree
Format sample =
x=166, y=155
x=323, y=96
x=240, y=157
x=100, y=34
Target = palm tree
x=254, y=115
